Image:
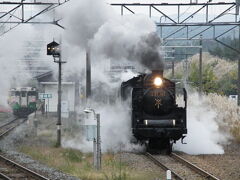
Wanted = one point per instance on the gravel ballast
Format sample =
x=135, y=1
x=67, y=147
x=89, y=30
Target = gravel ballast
x=225, y=167
x=8, y=147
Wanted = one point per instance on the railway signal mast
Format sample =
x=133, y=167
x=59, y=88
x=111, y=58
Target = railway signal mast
x=54, y=49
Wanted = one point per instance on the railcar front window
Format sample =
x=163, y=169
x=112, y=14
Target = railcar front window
x=17, y=93
x=31, y=93
x=24, y=94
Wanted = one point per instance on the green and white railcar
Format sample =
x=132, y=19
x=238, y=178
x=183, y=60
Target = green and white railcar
x=23, y=100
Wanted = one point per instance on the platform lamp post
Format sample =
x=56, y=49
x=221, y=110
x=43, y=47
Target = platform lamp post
x=96, y=117
x=54, y=49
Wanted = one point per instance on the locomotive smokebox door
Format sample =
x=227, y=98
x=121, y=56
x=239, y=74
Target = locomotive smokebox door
x=53, y=48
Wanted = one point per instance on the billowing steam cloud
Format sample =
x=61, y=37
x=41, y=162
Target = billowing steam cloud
x=118, y=40
x=17, y=46
x=204, y=136
x=112, y=37
x=112, y=40
x=12, y=69
x=147, y=51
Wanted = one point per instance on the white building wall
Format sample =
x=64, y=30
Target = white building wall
x=68, y=94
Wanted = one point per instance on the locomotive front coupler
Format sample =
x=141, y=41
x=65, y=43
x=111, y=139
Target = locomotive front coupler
x=182, y=140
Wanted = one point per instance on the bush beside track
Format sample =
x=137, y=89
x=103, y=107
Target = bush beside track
x=219, y=75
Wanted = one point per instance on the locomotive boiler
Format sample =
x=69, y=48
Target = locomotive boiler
x=157, y=120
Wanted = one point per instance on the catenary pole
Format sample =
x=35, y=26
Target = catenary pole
x=238, y=83
x=200, y=67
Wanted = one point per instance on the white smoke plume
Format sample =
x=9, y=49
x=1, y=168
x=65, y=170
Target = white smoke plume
x=16, y=46
x=11, y=69
x=204, y=135
x=119, y=40
x=115, y=130
x=112, y=39
x=109, y=36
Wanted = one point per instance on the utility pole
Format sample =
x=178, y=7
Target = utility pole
x=186, y=72
x=173, y=69
x=200, y=67
x=238, y=83
x=173, y=62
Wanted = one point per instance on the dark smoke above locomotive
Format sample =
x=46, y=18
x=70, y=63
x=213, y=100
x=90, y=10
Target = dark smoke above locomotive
x=156, y=118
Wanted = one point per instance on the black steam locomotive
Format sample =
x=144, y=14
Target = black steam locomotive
x=156, y=118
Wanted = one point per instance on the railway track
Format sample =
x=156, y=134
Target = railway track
x=181, y=169
x=10, y=125
x=10, y=170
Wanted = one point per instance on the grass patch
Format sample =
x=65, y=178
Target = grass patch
x=235, y=131
x=79, y=164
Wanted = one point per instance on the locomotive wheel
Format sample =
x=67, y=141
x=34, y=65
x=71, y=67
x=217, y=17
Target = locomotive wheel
x=159, y=146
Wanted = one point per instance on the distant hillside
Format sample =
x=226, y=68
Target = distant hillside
x=219, y=75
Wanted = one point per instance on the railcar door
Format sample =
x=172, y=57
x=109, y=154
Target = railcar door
x=16, y=97
x=24, y=98
x=32, y=96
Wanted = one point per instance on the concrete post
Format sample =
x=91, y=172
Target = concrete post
x=94, y=154
x=35, y=124
x=169, y=175
x=98, y=143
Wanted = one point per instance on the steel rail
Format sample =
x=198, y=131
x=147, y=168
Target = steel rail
x=10, y=128
x=165, y=168
x=193, y=167
x=2, y=176
x=7, y=131
x=12, y=163
x=8, y=123
x=23, y=169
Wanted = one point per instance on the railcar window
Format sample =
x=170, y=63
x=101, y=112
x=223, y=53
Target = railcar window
x=17, y=93
x=23, y=93
x=32, y=93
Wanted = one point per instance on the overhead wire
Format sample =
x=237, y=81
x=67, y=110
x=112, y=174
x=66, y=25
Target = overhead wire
x=3, y=24
x=198, y=26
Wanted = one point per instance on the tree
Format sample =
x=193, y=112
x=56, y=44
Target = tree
x=209, y=79
x=223, y=51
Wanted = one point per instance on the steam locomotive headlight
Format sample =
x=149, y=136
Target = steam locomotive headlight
x=158, y=81
x=146, y=122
